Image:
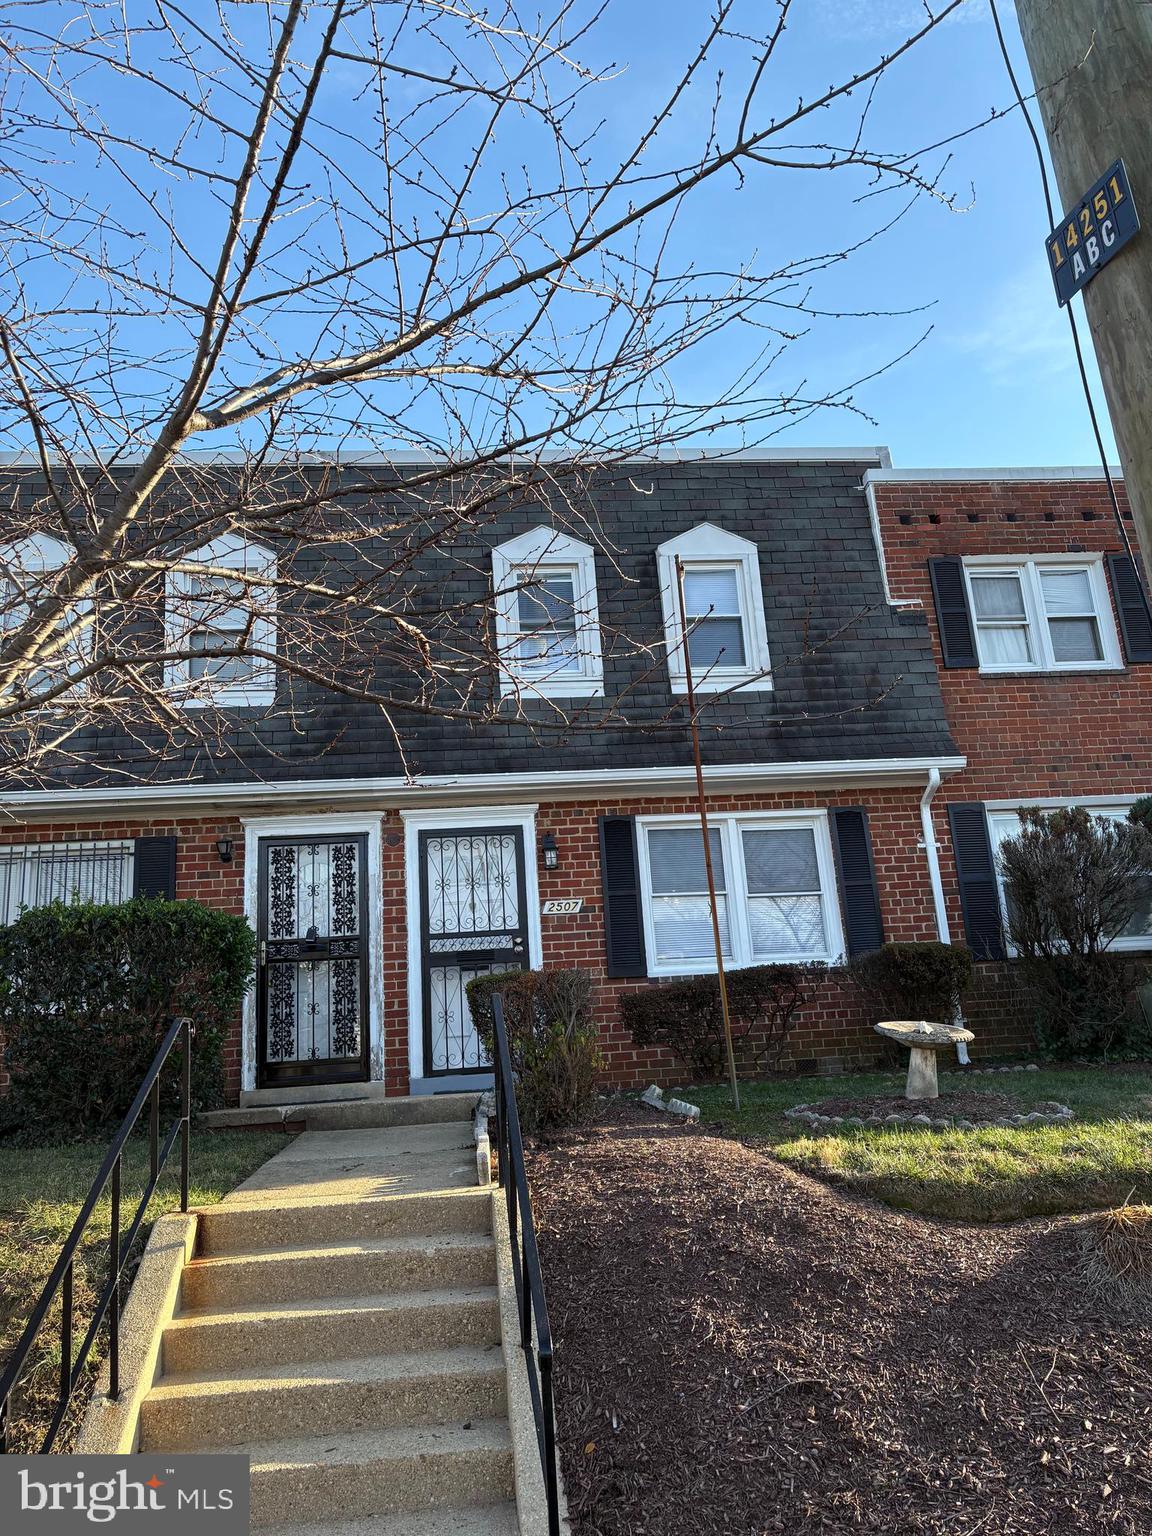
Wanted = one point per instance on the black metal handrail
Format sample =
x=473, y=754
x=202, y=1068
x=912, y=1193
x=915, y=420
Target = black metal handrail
x=119, y=1247
x=533, y=1309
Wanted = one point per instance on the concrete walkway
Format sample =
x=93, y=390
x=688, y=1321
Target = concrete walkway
x=340, y=1324
x=366, y=1165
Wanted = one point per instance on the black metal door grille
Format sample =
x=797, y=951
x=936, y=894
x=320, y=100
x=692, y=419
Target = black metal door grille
x=473, y=921
x=312, y=988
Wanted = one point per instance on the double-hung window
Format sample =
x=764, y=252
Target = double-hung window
x=721, y=631
x=775, y=891
x=715, y=618
x=547, y=616
x=30, y=571
x=35, y=874
x=1042, y=615
x=1005, y=823
x=220, y=617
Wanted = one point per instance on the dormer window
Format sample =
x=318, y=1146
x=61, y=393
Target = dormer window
x=220, y=613
x=29, y=572
x=547, y=618
x=724, y=630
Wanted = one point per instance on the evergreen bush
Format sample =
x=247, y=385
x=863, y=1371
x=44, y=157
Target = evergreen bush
x=87, y=993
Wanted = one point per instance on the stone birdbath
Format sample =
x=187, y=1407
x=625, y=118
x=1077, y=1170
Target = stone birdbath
x=923, y=1041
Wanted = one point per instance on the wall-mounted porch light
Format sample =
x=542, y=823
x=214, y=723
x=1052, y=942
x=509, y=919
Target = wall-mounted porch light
x=549, y=851
x=225, y=847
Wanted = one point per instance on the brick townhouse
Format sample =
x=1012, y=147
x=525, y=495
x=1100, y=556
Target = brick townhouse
x=848, y=760
x=1043, y=643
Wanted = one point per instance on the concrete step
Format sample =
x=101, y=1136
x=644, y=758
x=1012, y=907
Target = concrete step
x=454, y=1108
x=242, y=1226
x=474, y=1520
x=345, y=1114
x=321, y=1093
x=347, y=1475
x=355, y=1268
x=199, y=1411
x=333, y=1330
x=420, y=1109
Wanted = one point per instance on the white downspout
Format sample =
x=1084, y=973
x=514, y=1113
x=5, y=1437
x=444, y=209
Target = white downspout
x=931, y=853
x=928, y=840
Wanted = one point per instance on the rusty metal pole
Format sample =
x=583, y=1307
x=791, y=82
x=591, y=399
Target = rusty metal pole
x=701, y=803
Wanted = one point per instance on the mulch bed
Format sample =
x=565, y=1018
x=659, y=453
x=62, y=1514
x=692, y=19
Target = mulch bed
x=963, y=1104
x=743, y=1350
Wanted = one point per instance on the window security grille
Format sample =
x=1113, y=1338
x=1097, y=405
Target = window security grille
x=32, y=875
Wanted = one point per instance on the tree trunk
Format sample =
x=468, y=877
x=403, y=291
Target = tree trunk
x=1091, y=61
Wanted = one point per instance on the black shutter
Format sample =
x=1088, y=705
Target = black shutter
x=155, y=867
x=976, y=871
x=955, y=623
x=623, y=918
x=1132, y=606
x=859, y=898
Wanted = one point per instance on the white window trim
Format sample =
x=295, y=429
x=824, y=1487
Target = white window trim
x=539, y=551
x=33, y=555
x=228, y=553
x=1027, y=568
x=708, y=546
x=1003, y=821
x=729, y=826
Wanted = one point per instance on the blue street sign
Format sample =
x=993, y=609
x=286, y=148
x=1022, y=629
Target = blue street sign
x=1088, y=236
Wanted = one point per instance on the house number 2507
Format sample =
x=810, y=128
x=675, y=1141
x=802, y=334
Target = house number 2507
x=563, y=908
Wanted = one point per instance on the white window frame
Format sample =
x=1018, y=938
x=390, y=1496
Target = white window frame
x=1004, y=822
x=11, y=853
x=228, y=553
x=1027, y=569
x=730, y=826
x=32, y=556
x=539, y=553
x=707, y=547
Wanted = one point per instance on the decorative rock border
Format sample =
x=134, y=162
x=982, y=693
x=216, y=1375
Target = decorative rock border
x=1051, y=1114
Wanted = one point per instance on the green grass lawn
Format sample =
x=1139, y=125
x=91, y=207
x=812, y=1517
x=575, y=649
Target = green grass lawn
x=1096, y=1161
x=41, y=1191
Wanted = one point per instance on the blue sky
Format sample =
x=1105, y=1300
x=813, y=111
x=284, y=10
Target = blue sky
x=992, y=381
x=995, y=383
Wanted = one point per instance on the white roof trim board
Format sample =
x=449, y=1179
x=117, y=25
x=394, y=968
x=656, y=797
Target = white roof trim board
x=464, y=789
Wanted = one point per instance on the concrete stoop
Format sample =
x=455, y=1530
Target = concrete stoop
x=341, y=1325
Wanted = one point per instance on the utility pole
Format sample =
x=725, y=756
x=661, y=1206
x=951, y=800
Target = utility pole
x=1091, y=62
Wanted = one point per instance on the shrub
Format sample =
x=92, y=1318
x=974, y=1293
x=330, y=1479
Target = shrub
x=686, y=1016
x=552, y=1042
x=87, y=993
x=913, y=981
x=1073, y=883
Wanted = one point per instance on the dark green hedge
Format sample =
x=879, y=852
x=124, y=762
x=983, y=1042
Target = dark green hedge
x=86, y=995
x=686, y=1016
x=913, y=981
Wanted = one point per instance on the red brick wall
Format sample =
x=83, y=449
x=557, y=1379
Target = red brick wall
x=1032, y=735
x=830, y=1026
